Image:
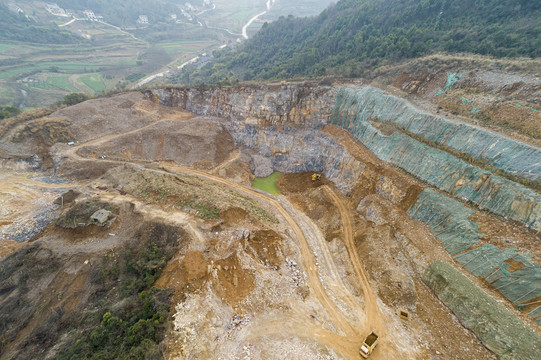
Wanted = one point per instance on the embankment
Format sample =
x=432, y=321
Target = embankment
x=498, y=329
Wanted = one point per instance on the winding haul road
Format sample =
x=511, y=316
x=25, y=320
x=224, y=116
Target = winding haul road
x=193, y=60
x=245, y=27
x=348, y=333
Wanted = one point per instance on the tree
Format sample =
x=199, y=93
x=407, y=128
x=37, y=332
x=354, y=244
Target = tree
x=75, y=98
x=9, y=111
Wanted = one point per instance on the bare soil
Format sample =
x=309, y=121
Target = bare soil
x=304, y=275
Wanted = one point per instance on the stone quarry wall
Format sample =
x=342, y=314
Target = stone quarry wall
x=354, y=111
x=254, y=114
x=272, y=105
x=277, y=123
x=500, y=331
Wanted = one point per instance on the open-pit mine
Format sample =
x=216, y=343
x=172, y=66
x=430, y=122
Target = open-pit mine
x=423, y=226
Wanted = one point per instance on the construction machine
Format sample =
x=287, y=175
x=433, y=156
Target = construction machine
x=369, y=344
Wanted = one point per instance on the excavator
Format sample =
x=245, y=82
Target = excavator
x=316, y=176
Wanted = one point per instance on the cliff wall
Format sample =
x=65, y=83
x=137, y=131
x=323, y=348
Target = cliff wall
x=271, y=105
x=276, y=122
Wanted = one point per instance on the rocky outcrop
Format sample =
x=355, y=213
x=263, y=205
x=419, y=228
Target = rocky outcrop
x=500, y=331
x=283, y=105
x=297, y=150
x=277, y=123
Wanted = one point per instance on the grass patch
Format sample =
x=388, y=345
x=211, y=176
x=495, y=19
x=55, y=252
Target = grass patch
x=268, y=184
x=61, y=82
x=94, y=81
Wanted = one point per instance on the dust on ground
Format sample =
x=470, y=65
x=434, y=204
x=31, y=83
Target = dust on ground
x=304, y=275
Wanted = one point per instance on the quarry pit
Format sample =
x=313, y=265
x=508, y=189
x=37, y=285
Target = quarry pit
x=305, y=274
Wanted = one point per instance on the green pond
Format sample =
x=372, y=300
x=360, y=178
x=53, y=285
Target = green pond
x=268, y=184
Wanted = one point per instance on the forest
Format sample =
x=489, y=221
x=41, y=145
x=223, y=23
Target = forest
x=355, y=36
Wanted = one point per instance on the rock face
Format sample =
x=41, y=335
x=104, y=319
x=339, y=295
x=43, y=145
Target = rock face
x=262, y=166
x=277, y=123
x=498, y=329
x=278, y=105
x=297, y=150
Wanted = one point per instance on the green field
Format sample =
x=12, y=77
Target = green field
x=268, y=184
x=105, y=58
x=96, y=67
x=94, y=81
x=62, y=82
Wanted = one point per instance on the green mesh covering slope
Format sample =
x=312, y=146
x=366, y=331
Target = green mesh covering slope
x=489, y=262
x=536, y=314
x=354, y=108
x=451, y=80
x=500, y=331
x=506, y=154
x=448, y=220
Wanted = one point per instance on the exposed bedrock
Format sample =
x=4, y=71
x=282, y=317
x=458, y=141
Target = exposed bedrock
x=277, y=122
x=279, y=105
x=293, y=150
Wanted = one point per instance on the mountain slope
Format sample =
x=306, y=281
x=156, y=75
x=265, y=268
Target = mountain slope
x=14, y=26
x=123, y=13
x=355, y=35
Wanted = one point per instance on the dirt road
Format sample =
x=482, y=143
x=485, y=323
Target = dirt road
x=370, y=300
x=349, y=334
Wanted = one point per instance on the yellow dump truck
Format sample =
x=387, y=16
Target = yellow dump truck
x=369, y=344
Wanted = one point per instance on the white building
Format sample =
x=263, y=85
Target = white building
x=143, y=19
x=90, y=15
x=55, y=10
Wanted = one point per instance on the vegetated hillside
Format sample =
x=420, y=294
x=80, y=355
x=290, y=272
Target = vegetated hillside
x=14, y=26
x=356, y=35
x=124, y=13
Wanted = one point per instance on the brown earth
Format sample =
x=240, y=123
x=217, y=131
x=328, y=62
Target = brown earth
x=187, y=142
x=504, y=102
x=394, y=275
x=266, y=245
x=8, y=247
x=311, y=271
